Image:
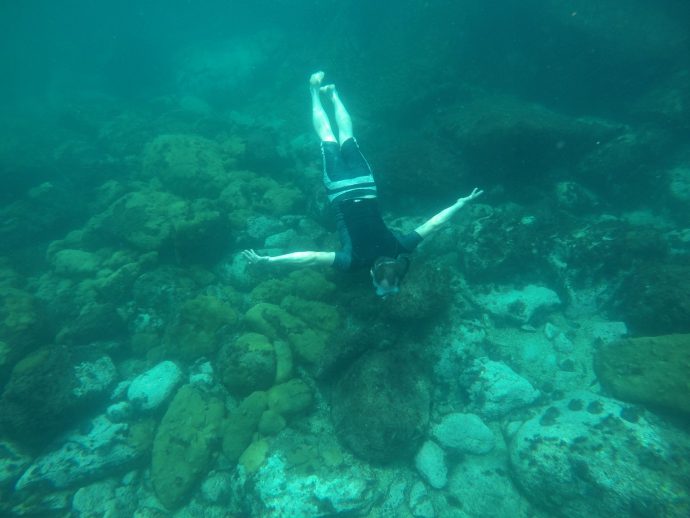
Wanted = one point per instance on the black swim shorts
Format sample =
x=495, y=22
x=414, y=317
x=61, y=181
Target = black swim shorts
x=346, y=173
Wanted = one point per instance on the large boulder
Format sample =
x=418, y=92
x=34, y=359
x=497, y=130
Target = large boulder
x=247, y=364
x=648, y=370
x=588, y=455
x=655, y=299
x=50, y=389
x=380, y=407
x=99, y=450
x=184, y=444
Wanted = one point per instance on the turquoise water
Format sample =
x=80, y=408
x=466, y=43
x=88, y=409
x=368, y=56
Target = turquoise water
x=535, y=360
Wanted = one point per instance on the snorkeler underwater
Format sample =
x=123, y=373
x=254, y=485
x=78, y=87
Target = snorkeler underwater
x=387, y=259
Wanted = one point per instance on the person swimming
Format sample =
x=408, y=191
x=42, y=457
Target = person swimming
x=366, y=241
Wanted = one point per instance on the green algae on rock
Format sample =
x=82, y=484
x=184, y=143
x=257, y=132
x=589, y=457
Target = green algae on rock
x=248, y=364
x=649, y=370
x=241, y=424
x=380, y=407
x=290, y=398
x=200, y=326
x=184, y=445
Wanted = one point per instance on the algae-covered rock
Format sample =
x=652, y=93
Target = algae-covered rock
x=253, y=457
x=144, y=220
x=248, y=364
x=49, y=390
x=200, y=327
x=21, y=325
x=185, y=443
x=290, y=398
x=247, y=193
x=307, y=341
x=587, y=455
x=188, y=165
x=655, y=299
x=271, y=423
x=649, y=370
x=380, y=407
x=241, y=424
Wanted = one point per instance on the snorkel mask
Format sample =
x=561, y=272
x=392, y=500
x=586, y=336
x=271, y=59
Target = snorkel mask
x=387, y=273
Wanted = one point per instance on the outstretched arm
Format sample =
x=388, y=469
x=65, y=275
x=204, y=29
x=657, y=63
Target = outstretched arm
x=296, y=258
x=435, y=222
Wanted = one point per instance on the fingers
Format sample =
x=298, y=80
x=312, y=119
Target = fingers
x=251, y=256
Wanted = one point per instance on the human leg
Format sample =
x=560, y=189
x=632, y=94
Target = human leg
x=319, y=117
x=342, y=117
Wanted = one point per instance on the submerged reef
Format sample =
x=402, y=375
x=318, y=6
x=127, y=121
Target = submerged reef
x=535, y=361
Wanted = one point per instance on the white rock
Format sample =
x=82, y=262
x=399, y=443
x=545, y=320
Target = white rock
x=519, y=306
x=496, y=389
x=82, y=457
x=585, y=445
x=466, y=433
x=281, y=493
x=119, y=412
x=154, y=386
x=431, y=464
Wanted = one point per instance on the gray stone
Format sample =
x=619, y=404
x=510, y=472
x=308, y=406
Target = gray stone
x=465, y=433
x=419, y=503
x=83, y=456
x=495, y=389
x=519, y=306
x=94, y=378
x=150, y=389
x=431, y=464
x=587, y=445
x=279, y=492
x=483, y=486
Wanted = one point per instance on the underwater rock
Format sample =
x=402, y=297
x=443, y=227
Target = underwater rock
x=290, y=398
x=85, y=456
x=649, y=370
x=189, y=165
x=306, y=330
x=153, y=387
x=654, y=299
x=587, y=445
x=248, y=364
x=144, y=220
x=13, y=462
x=483, y=485
x=380, y=407
x=50, y=389
x=95, y=322
x=430, y=462
x=426, y=292
x=104, y=498
x=465, y=433
x=185, y=444
x=202, y=324
x=419, y=501
x=281, y=493
x=520, y=306
x=21, y=326
x=75, y=263
x=241, y=423
x=495, y=389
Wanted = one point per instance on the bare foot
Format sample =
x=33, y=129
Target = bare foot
x=315, y=80
x=329, y=90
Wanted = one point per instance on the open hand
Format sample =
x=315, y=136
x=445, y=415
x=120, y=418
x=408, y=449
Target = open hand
x=476, y=193
x=254, y=258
